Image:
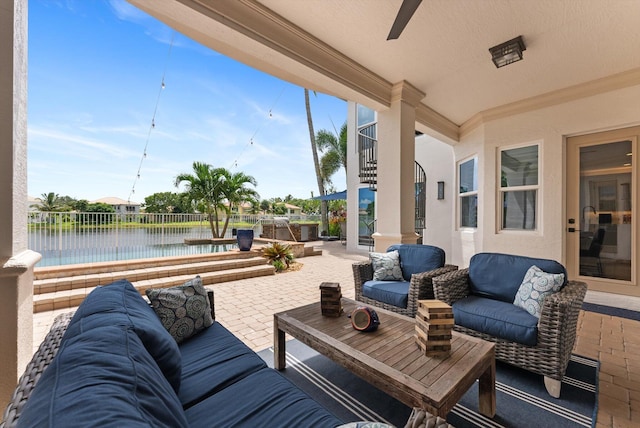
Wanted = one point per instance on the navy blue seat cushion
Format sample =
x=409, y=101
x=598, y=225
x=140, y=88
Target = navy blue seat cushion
x=103, y=378
x=394, y=293
x=212, y=361
x=496, y=318
x=119, y=303
x=499, y=276
x=251, y=403
x=416, y=258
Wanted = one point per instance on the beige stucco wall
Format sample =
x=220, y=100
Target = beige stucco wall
x=436, y=158
x=548, y=126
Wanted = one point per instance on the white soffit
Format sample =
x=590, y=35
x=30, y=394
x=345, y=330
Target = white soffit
x=339, y=47
x=443, y=51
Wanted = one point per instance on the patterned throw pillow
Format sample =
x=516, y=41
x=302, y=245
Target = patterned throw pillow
x=184, y=310
x=386, y=266
x=535, y=287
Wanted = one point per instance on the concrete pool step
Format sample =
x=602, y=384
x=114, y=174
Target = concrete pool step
x=71, y=298
x=126, y=265
x=149, y=270
x=59, y=287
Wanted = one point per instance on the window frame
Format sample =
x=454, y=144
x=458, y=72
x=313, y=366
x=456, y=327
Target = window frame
x=501, y=191
x=462, y=195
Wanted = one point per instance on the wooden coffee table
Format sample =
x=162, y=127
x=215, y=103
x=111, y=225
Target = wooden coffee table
x=390, y=359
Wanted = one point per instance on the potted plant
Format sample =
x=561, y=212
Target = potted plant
x=245, y=239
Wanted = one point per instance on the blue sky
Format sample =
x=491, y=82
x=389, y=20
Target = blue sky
x=95, y=72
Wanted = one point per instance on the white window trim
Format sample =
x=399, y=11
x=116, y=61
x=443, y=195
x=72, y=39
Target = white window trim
x=465, y=194
x=501, y=190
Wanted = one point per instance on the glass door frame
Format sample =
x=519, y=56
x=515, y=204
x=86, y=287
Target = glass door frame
x=573, y=221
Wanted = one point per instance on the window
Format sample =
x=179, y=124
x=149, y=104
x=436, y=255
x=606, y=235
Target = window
x=366, y=116
x=468, y=195
x=518, y=192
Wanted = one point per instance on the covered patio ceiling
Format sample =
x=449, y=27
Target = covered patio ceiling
x=574, y=48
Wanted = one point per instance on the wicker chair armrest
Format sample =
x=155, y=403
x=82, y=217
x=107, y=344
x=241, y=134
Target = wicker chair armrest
x=362, y=272
x=427, y=276
x=421, y=286
x=559, y=313
x=451, y=286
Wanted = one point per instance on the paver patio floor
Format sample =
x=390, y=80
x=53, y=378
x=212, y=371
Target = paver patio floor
x=246, y=307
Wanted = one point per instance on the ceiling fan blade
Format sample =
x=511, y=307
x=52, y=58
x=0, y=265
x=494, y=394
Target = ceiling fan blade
x=405, y=13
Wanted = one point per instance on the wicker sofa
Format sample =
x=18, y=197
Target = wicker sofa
x=419, y=265
x=483, y=295
x=114, y=364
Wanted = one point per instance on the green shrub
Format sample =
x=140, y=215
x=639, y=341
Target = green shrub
x=279, y=255
x=279, y=265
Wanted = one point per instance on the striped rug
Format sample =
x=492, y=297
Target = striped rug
x=521, y=399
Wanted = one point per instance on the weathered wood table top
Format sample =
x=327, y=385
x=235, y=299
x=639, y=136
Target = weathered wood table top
x=390, y=359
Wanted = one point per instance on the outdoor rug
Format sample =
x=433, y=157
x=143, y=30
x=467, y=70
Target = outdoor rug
x=521, y=398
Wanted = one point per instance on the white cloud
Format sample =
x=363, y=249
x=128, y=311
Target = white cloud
x=70, y=141
x=127, y=12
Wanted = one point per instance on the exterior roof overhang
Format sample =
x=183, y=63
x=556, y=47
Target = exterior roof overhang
x=575, y=48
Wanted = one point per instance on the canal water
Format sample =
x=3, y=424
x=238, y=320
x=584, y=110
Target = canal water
x=99, y=245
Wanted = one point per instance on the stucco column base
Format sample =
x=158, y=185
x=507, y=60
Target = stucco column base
x=16, y=318
x=384, y=241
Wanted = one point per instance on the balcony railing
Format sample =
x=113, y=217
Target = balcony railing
x=368, y=158
x=70, y=237
x=368, y=173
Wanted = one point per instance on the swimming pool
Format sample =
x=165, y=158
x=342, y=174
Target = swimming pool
x=93, y=255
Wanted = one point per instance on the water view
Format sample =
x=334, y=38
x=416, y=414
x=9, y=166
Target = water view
x=66, y=257
x=60, y=247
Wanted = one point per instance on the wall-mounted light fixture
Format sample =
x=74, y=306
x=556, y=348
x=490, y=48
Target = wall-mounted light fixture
x=440, y=189
x=507, y=52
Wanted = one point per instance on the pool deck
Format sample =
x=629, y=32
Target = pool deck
x=246, y=308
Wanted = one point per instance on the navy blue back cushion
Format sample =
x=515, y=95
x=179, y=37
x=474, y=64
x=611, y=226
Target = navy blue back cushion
x=119, y=303
x=103, y=378
x=498, y=276
x=416, y=258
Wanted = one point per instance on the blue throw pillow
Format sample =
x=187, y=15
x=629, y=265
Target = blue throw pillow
x=386, y=266
x=535, y=287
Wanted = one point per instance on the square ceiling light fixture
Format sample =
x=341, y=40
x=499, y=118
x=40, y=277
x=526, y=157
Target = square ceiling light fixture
x=507, y=52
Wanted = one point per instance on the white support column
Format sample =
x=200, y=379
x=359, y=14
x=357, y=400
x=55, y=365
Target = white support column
x=16, y=262
x=395, y=201
x=353, y=181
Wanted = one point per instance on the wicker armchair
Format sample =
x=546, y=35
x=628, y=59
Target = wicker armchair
x=556, y=328
x=420, y=284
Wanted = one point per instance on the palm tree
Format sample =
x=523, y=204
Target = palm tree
x=205, y=187
x=49, y=202
x=316, y=163
x=236, y=192
x=334, y=152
